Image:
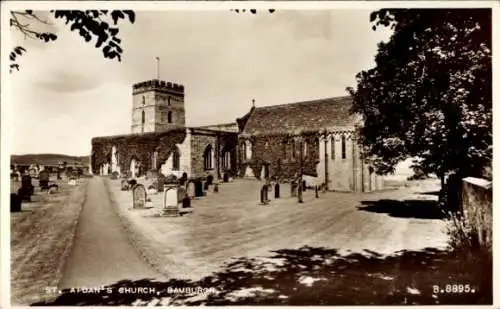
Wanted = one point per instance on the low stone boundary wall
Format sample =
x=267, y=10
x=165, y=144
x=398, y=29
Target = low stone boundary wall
x=477, y=206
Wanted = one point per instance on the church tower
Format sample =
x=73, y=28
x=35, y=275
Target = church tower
x=157, y=106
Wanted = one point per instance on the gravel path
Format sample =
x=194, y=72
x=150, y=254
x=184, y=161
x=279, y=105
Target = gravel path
x=101, y=252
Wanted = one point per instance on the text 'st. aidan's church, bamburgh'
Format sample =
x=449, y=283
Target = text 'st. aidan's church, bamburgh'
x=272, y=141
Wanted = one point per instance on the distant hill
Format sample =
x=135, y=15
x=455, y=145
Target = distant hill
x=48, y=159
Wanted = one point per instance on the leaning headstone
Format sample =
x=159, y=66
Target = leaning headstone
x=170, y=201
x=124, y=185
x=15, y=203
x=277, y=190
x=139, y=196
x=185, y=203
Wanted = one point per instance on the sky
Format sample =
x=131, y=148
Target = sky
x=66, y=92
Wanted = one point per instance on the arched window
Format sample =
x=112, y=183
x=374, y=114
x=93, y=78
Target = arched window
x=169, y=117
x=207, y=157
x=143, y=100
x=226, y=160
x=243, y=151
x=176, y=159
x=168, y=100
x=143, y=118
x=332, y=143
x=305, y=149
x=293, y=149
x=343, y=147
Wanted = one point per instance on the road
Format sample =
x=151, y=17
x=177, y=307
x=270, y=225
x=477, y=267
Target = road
x=102, y=253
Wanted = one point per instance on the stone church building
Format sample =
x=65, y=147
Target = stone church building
x=316, y=138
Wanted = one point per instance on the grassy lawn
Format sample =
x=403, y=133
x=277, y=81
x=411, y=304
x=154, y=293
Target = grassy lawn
x=231, y=223
x=384, y=248
x=41, y=238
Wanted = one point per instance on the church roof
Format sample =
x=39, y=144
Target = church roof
x=301, y=116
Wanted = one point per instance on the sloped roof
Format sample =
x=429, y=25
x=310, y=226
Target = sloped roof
x=301, y=116
x=224, y=127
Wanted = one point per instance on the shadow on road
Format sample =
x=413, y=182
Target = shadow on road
x=315, y=276
x=419, y=209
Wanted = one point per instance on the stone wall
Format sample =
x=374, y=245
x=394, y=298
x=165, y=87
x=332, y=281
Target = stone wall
x=220, y=142
x=275, y=152
x=477, y=207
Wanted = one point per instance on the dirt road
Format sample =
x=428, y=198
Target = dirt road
x=101, y=251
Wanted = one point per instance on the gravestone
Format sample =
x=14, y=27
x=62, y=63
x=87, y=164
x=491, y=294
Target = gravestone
x=43, y=178
x=198, y=188
x=206, y=186
x=139, y=196
x=124, y=185
x=190, y=189
x=15, y=202
x=263, y=195
x=277, y=190
x=299, y=193
x=216, y=188
x=183, y=179
x=226, y=177
x=210, y=180
x=181, y=193
x=170, y=201
x=303, y=185
x=114, y=176
x=26, y=190
x=160, y=182
x=293, y=189
x=72, y=182
x=316, y=191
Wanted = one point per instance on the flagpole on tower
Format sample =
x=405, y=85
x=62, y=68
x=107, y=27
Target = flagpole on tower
x=158, y=68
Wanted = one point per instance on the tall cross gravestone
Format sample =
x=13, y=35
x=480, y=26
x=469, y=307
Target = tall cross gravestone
x=139, y=196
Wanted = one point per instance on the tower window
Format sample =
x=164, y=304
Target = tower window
x=143, y=100
x=168, y=101
x=169, y=117
x=143, y=120
x=343, y=147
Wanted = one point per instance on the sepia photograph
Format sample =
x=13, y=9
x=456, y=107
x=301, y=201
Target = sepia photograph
x=219, y=154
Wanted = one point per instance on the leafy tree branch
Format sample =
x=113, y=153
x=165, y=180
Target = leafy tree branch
x=101, y=25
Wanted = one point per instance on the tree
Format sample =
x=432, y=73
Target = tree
x=430, y=94
x=89, y=24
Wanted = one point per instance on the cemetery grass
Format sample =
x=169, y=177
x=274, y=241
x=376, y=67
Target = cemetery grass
x=342, y=249
x=41, y=239
x=231, y=224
